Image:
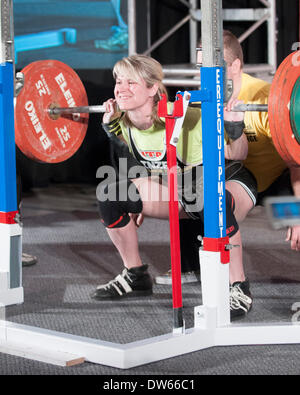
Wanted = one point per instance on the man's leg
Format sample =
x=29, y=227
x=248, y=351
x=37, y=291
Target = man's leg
x=243, y=201
x=240, y=296
x=236, y=270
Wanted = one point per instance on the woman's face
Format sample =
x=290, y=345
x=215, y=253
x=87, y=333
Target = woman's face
x=132, y=94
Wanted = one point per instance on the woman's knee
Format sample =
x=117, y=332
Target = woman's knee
x=116, y=201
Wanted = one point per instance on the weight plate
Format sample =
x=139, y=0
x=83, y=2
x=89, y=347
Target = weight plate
x=279, y=106
x=39, y=136
x=295, y=110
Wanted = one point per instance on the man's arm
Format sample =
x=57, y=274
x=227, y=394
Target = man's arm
x=237, y=149
x=237, y=145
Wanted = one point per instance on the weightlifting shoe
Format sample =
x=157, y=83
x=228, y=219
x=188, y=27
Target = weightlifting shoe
x=240, y=299
x=186, y=277
x=131, y=282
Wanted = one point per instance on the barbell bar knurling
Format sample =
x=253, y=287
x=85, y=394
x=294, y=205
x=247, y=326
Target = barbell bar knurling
x=76, y=110
x=250, y=107
x=242, y=107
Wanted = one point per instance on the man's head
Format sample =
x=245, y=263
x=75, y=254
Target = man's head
x=233, y=56
x=232, y=48
x=233, y=53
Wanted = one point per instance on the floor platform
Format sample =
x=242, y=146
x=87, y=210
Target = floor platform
x=62, y=228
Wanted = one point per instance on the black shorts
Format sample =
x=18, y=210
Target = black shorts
x=281, y=187
x=235, y=171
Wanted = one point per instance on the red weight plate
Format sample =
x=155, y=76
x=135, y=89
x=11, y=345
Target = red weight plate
x=50, y=83
x=279, y=109
x=275, y=116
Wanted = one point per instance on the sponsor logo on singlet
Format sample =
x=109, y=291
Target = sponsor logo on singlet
x=161, y=165
x=152, y=155
x=251, y=134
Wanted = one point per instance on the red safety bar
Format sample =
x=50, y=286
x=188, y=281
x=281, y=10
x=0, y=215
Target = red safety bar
x=173, y=194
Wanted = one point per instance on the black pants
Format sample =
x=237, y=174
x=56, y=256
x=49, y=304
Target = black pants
x=190, y=229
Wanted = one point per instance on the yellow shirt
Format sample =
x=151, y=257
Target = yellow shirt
x=263, y=160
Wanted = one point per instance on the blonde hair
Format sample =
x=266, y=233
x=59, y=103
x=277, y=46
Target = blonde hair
x=145, y=68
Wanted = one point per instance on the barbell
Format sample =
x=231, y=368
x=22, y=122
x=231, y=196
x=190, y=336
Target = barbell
x=52, y=111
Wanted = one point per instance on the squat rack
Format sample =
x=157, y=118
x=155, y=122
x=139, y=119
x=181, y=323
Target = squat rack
x=212, y=325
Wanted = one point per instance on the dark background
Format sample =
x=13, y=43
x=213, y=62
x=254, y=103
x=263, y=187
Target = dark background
x=99, y=83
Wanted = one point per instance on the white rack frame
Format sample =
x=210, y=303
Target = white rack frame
x=212, y=328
